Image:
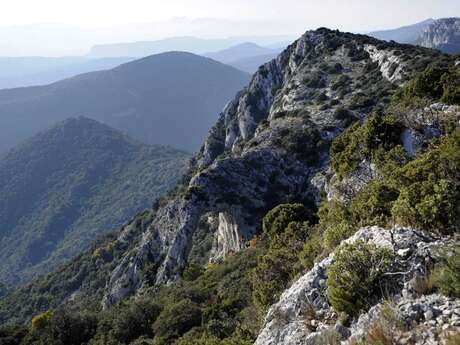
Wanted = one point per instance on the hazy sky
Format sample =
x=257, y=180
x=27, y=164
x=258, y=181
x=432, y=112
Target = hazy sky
x=344, y=14
x=84, y=23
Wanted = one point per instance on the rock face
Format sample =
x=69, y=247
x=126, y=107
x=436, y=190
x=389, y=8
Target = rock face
x=442, y=34
x=274, y=136
x=290, y=321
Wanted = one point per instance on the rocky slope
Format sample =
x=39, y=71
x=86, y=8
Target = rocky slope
x=442, y=34
x=287, y=323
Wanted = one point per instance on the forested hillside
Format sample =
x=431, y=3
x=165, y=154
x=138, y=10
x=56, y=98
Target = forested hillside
x=69, y=184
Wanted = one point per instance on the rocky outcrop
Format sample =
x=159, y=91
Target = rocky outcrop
x=442, y=34
x=266, y=148
x=303, y=314
x=423, y=320
x=229, y=235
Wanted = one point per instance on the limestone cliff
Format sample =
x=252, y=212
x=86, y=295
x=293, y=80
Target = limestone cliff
x=267, y=147
x=442, y=34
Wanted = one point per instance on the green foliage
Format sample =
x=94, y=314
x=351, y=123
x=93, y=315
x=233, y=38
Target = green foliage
x=359, y=142
x=334, y=235
x=437, y=83
x=216, y=307
x=355, y=278
x=70, y=184
x=276, y=221
x=129, y=321
x=336, y=223
x=422, y=192
x=192, y=271
x=177, y=319
x=287, y=231
x=68, y=327
x=41, y=321
x=446, y=275
x=271, y=276
x=374, y=203
x=12, y=335
x=305, y=142
x=312, y=248
x=430, y=189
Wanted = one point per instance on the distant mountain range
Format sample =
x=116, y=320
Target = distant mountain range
x=189, y=44
x=442, y=34
x=52, y=39
x=246, y=56
x=67, y=185
x=251, y=64
x=168, y=99
x=31, y=71
x=241, y=51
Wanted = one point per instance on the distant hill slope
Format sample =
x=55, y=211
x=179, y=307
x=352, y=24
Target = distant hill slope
x=405, y=34
x=169, y=99
x=443, y=34
x=31, y=71
x=241, y=51
x=66, y=185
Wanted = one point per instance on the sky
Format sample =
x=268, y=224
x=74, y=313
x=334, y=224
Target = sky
x=346, y=14
x=88, y=22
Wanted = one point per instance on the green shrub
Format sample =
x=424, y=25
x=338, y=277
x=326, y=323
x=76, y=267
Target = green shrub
x=70, y=327
x=276, y=221
x=271, y=276
x=192, y=271
x=176, y=320
x=312, y=248
x=129, y=321
x=287, y=231
x=42, y=321
x=441, y=83
x=279, y=265
x=360, y=142
x=335, y=234
x=355, y=278
x=372, y=205
x=430, y=188
x=446, y=275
